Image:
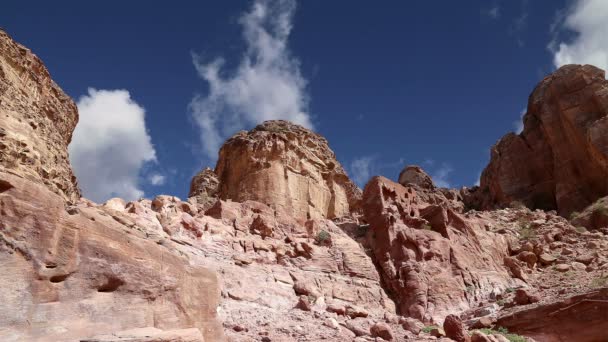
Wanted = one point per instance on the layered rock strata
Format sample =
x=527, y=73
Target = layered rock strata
x=36, y=121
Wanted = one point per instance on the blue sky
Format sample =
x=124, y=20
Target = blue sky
x=417, y=82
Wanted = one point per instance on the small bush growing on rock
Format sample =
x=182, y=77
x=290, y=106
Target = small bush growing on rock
x=600, y=208
x=574, y=215
x=322, y=237
x=526, y=232
x=581, y=229
x=426, y=226
x=429, y=328
x=504, y=332
x=516, y=205
x=599, y=282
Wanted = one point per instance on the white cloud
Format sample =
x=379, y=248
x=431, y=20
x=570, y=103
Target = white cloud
x=110, y=145
x=440, y=176
x=361, y=170
x=266, y=85
x=156, y=179
x=519, y=124
x=587, y=19
x=492, y=12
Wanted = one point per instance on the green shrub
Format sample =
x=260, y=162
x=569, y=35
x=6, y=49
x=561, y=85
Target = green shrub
x=581, y=229
x=426, y=226
x=322, y=237
x=429, y=328
x=504, y=332
x=526, y=232
x=574, y=215
x=599, y=282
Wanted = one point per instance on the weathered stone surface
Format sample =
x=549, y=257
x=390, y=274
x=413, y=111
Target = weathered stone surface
x=431, y=266
x=414, y=175
x=560, y=160
x=86, y=271
x=287, y=167
x=36, y=121
x=454, y=329
x=578, y=318
x=204, y=187
x=150, y=334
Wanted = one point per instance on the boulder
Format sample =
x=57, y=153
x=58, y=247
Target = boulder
x=382, y=330
x=454, y=329
x=415, y=175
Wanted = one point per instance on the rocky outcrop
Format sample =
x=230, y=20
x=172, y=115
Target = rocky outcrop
x=92, y=270
x=203, y=187
x=560, y=160
x=36, y=121
x=577, y=318
x=415, y=175
x=433, y=260
x=288, y=168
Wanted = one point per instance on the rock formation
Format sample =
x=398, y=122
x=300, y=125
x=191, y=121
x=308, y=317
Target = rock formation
x=70, y=274
x=204, y=186
x=432, y=259
x=36, y=121
x=277, y=244
x=287, y=167
x=560, y=160
x=414, y=175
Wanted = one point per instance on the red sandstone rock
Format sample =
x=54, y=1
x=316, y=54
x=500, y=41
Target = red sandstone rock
x=578, y=318
x=287, y=167
x=454, y=329
x=382, y=330
x=36, y=121
x=414, y=175
x=429, y=269
x=559, y=160
x=204, y=187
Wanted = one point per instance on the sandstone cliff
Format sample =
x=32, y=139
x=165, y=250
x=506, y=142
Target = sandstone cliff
x=287, y=167
x=36, y=121
x=560, y=160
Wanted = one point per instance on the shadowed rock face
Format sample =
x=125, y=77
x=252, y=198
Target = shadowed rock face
x=560, y=160
x=36, y=121
x=287, y=167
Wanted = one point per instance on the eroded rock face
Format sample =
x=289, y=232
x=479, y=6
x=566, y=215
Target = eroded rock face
x=415, y=175
x=92, y=270
x=434, y=260
x=287, y=167
x=204, y=187
x=577, y=318
x=560, y=160
x=36, y=121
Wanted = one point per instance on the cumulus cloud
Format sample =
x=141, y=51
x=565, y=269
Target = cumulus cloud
x=440, y=176
x=361, y=169
x=110, y=145
x=587, y=20
x=156, y=179
x=267, y=84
